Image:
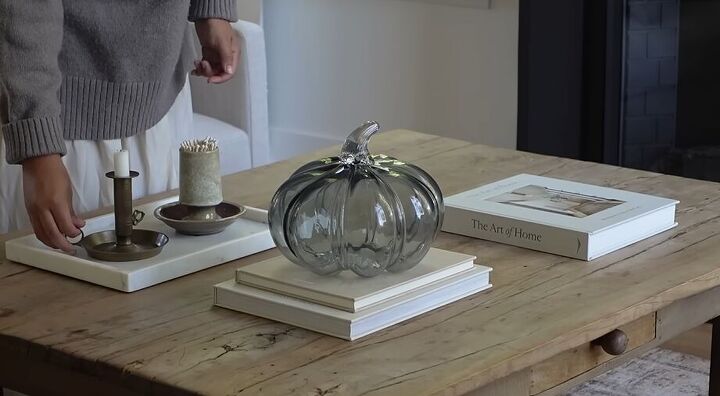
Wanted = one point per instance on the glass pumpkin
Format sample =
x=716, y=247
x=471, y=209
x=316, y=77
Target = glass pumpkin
x=366, y=213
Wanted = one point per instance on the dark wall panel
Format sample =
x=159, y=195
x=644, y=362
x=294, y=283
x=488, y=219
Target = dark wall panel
x=550, y=77
x=698, y=101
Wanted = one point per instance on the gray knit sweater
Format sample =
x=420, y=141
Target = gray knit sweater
x=91, y=69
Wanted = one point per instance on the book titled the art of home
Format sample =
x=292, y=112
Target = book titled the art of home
x=558, y=216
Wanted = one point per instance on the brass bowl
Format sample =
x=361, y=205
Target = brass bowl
x=198, y=220
x=145, y=244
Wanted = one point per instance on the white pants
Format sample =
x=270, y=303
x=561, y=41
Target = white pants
x=153, y=153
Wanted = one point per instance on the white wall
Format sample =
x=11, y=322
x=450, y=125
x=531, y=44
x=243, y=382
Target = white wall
x=407, y=63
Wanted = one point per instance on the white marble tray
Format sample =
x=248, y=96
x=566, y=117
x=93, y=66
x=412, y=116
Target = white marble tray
x=181, y=256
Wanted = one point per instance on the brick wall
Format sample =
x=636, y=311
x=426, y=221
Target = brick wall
x=651, y=54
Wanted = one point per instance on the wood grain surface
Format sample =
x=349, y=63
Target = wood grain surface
x=575, y=361
x=169, y=338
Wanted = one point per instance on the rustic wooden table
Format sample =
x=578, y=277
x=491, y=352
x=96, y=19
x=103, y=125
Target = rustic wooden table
x=531, y=334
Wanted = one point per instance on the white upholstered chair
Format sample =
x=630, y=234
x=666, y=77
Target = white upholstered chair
x=236, y=113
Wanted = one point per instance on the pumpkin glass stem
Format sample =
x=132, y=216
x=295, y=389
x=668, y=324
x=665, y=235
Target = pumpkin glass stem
x=355, y=149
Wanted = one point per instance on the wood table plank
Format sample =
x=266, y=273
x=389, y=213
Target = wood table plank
x=170, y=337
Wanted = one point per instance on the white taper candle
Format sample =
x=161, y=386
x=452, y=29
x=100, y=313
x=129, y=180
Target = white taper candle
x=122, y=163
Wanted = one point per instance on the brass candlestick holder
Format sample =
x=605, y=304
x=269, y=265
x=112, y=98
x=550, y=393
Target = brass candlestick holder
x=124, y=243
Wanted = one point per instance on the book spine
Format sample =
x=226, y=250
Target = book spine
x=516, y=232
x=347, y=305
x=279, y=310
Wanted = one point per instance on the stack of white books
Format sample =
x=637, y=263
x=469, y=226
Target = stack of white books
x=346, y=305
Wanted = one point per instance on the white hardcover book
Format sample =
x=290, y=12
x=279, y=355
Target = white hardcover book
x=558, y=216
x=346, y=290
x=348, y=325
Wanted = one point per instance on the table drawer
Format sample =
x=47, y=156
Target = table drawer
x=569, y=364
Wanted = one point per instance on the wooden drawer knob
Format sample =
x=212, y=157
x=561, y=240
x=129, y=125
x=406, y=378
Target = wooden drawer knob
x=613, y=343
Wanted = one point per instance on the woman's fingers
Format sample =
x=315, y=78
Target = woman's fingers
x=228, y=55
x=202, y=68
x=218, y=63
x=220, y=79
x=38, y=229
x=206, y=68
x=223, y=76
x=78, y=222
x=53, y=234
x=64, y=221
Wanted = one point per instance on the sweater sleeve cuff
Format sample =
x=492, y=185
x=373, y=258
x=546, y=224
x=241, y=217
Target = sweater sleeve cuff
x=204, y=9
x=33, y=137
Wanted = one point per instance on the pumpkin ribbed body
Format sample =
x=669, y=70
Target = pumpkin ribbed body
x=369, y=214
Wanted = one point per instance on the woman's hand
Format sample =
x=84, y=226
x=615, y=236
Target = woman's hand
x=219, y=50
x=48, y=200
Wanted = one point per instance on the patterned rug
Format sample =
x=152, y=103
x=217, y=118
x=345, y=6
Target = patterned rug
x=660, y=372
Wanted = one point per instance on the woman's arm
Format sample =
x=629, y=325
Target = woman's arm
x=31, y=34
